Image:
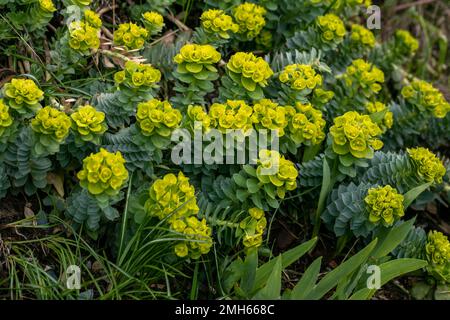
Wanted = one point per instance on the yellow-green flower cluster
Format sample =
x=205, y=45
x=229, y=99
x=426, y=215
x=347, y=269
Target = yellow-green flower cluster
x=428, y=165
x=199, y=115
x=306, y=124
x=321, y=96
x=423, y=94
x=153, y=21
x=51, y=123
x=405, y=43
x=253, y=70
x=363, y=36
x=83, y=36
x=269, y=115
x=250, y=18
x=375, y=107
x=47, y=6
x=157, y=117
x=93, y=19
x=264, y=39
x=218, y=22
x=103, y=173
x=300, y=77
x=130, y=35
x=331, y=28
x=88, y=123
x=437, y=250
x=234, y=114
x=23, y=95
x=385, y=205
x=136, y=75
x=253, y=228
x=195, y=57
x=274, y=169
x=198, y=235
x=173, y=198
x=364, y=75
x=5, y=118
x=355, y=134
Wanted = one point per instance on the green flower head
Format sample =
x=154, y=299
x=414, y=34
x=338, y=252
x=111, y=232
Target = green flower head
x=83, y=37
x=362, y=36
x=252, y=228
x=437, y=250
x=130, y=36
x=331, y=28
x=385, y=205
x=136, y=75
x=355, y=134
x=250, y=18
x=92, y=19
x=51, y=123
x=300, y=77
x=88, y=123
x=364, y=76
x=252, y=70
x=306, y=124
x=23, y=96
x=405, y=43
x=428, y=165
x=273, y=169
x=103, y=173
x=217, y=22
x=153, y=21
x=157, y=117
x=426, y=97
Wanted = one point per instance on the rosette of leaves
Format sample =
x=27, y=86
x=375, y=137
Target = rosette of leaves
x=250, y=19
x=7, y=126
x=363, y=209
x=153, y=22
x=426, y=98
x=268, y=183
x=246, y=76
x=25, y=168
x=130, y=36
x=88, y=125
x=195, y=73
x=404, y=171
x=23, y=97
x=352, y=139
x=135, y=83
x=172, y=200
x=86, y=212
x=216, y=28
x=51, y=127
x=297, y=82
x=156, y=120
x=83, y=37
